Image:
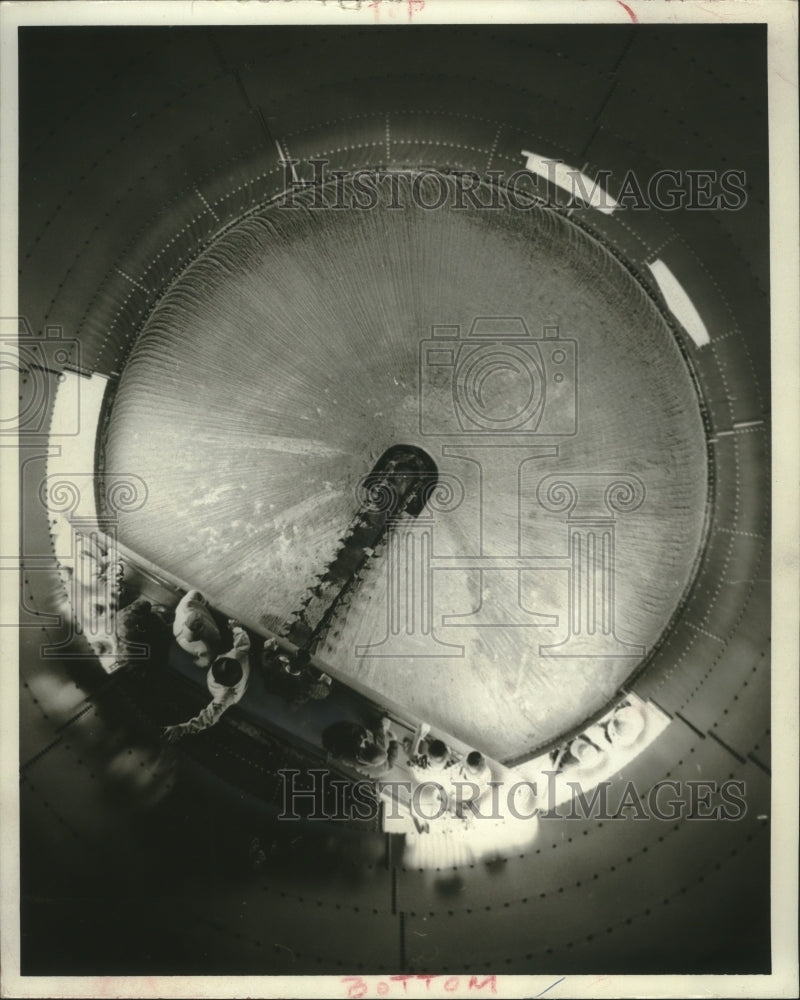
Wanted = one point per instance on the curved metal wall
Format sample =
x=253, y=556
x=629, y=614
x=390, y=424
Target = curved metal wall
x=137, y=148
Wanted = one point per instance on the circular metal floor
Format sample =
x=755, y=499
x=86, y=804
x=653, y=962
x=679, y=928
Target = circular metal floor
x=305, y=342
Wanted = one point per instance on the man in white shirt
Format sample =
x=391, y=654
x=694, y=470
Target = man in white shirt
x=475, y=777
x=195, y=630
x=227, y=681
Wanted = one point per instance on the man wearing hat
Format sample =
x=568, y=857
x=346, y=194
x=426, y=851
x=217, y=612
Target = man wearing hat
x=474, y=773
x=227, y=682
x=625, y=726
x=292, y=678
x=432, y=755
x=194, y=628
x=375, y=759
x=143, y=633
x=580, y=754
x=370, y=753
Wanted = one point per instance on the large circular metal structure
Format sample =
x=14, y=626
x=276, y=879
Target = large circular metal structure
x=306, y=341
x=150, y=235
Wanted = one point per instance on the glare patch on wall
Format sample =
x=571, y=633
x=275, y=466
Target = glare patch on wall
x=679, y=303
x=577, y=184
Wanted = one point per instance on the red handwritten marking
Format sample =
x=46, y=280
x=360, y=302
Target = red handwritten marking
x=632, y=16
x=412, y=6
x=358, y=987
x=403, y=980
x=489, y=980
